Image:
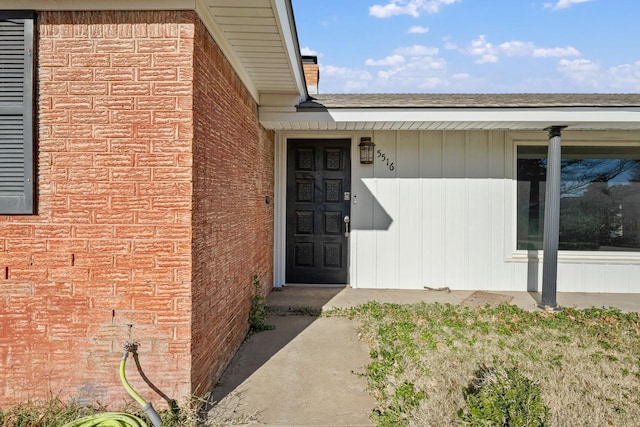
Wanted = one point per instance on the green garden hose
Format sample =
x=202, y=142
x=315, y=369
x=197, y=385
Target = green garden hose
x=121, y=419
x=108, y=419
x=125, y=383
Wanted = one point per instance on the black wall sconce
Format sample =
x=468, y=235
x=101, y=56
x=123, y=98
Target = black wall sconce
x=366, y=150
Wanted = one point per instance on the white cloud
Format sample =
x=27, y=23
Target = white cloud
x=415, y=68
x=461, y=76
x=489, y=53
x=417, y=50
x=431, y=83
x=410, y=69
x=354, y=86
x=563, y=4
x=394, y=8
x=517, y=48
x=417, y=29
x=484, y=50
x=555, y=52
x=420, y=73
x=308, y=51
x=343, y=73
x=582, y=71
x=625, y=77
x=415, y=53
x=430, y=74
x=344, y=80
x=585, y=75
x=408, y=7
x=389, y=60
x=622, y=78
x=578, y=65
x=433, y=63
x=448, y=45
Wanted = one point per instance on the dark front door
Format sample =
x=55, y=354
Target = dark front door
x=318, y=200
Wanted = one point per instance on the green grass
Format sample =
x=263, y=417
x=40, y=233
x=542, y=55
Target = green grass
x=424, y=357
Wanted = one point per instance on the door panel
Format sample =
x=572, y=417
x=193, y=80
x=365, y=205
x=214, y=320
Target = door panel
x=318, y=188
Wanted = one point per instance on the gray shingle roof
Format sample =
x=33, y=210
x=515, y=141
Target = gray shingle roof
x=552, y=100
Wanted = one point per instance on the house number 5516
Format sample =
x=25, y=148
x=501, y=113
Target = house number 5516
x=385, y=159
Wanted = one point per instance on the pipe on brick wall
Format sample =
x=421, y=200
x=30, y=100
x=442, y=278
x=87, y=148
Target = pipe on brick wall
x=121, y=418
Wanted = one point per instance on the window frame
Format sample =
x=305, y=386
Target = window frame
x=569, y=138
x=23, y=202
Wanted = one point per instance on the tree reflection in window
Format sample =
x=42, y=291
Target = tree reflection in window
x=600, y=198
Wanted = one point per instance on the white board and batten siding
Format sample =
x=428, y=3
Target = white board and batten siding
x=441, y=213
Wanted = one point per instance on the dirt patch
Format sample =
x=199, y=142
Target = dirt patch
x=482, y=298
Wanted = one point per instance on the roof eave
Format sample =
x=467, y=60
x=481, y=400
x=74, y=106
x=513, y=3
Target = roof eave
x=576, y=118
x=288, y=29
x=283, y=13
x=295, y=91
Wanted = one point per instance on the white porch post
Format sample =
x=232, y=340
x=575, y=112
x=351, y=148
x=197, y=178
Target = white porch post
x=551, y=220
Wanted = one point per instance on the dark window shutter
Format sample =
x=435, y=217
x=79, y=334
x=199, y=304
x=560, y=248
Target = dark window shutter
x=17, y=180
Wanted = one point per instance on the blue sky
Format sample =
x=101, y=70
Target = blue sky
x=472, y=46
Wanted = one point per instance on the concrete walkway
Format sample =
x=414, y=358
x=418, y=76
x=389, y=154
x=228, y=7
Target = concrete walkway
x=305, y=372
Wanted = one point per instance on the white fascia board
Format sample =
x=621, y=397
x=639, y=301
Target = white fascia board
x=98, y=4
x=520, y=117
x=515, y=115
x=285, y=21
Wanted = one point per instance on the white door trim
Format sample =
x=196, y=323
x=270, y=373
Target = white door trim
x=280, y=209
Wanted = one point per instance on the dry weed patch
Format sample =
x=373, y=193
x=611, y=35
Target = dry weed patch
x=56, y=413
x=585, y=362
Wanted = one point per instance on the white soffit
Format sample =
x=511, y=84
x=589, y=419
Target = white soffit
x=450, y=119
x=258, y=37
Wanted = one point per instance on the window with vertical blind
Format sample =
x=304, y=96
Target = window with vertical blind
x=17, y=58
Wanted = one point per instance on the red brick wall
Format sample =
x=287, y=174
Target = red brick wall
x=152, y=212
x=108, y=257
x=232, y=222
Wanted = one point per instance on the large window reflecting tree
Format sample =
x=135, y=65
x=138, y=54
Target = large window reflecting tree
x=600, y=198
